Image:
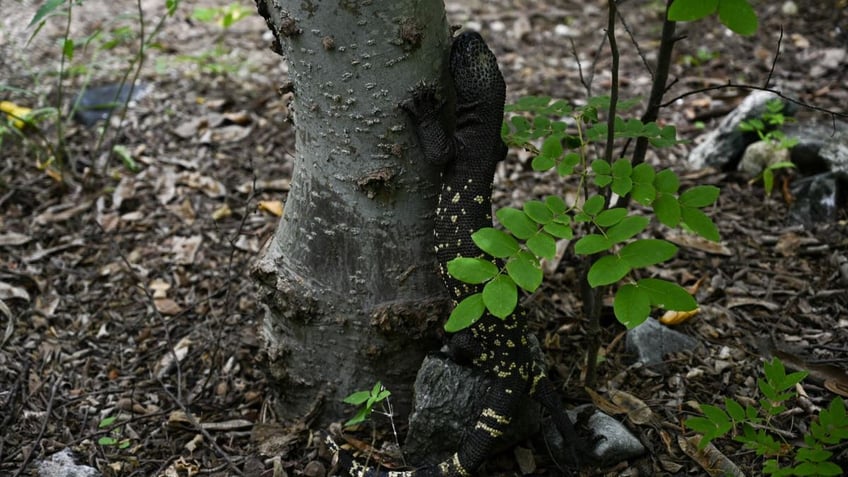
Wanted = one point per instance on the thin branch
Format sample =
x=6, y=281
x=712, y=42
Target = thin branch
x=778, y=93
x=636, y=44
x=658, y=86
x=586, y=86
x=613, y=11
x=774, y=60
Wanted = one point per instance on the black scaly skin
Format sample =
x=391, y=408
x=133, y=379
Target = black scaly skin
x=469, y=157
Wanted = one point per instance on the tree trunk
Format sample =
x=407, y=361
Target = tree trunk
x=352, y=294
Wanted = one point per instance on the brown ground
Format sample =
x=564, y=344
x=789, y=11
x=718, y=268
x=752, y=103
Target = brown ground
x=111, y=274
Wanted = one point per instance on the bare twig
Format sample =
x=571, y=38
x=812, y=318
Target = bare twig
x=774, y=59
x=751, y=87
x=41, y=431
x=201, y=429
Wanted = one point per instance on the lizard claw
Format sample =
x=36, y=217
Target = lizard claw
x=424, y=101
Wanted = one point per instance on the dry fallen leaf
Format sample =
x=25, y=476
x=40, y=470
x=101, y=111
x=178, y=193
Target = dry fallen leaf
x=222, y=212
x=185, y=249
x=274, y=207
x=166, y=306
x=13, y=238
x=677, y=317
x=698, y=243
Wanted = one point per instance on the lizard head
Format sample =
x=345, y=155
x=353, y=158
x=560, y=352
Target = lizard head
x=475, y=70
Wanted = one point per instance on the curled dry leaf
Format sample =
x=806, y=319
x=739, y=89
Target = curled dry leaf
x=637, y=411
x=8, y=292
x=677, y=317
x=180, y=351
x=185, y=249
x=10, y=239
x=160, y=288
x=222, y=212
x=209, y=186
x=709, y=458
x=699, y=243
x=274, y=207
x=167, y=306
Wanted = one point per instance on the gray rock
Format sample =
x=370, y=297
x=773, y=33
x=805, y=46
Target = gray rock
x=835, y=151
x=722, y=147
x=448, y=400
x=811, y=137
x=62, y=464
x=651, y=341
x=819, y=198
x=610, y=441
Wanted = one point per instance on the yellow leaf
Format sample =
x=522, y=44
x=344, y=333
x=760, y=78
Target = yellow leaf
x=676, y=317
x=15, y=113
x=274, y=207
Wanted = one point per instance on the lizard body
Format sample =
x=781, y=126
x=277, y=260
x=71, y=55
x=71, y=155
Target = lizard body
x=498, y=347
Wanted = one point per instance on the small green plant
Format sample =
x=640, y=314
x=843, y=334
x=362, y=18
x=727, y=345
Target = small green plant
x=767, y=129
x=752, y=425
x=51, y=154
x=215, y=60
x=114, y=438
x=366, y=400
x=613, y=229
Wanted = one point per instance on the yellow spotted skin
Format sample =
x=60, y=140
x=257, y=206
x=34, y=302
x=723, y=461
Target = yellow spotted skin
x=469, y=156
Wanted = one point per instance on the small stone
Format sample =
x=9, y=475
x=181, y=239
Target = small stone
x=789, y=8
x=760, y=155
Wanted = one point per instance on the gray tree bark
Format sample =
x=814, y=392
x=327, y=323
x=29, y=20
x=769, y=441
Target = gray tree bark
x=352, y=294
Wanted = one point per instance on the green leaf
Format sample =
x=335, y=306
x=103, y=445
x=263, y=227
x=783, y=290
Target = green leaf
x=43, y=11
x=699, y=196
x=738, y=15
x=734, y=409
x=543, y=245
x=666, y=181
x=469, y=310
x=622, y=185
x=172, y=5
x=643, y=174
x=700, y=223
x=472, y=270
x=525, y=271
x=610, y=217
x=627, y=228
x=594, y=205
x=542, y=163
x=126, y=158
x=556, y=204
x=68, y=48
x=520, y=123
x=107, y=421
x=552, y=147
x=538, y=211
x=517, y=222
x=603, y=180
x=559, y=230
x=631, y=306
x=768, y=180
x=622, y=167
x=667, y=210
x=495, y=242
x=647, y=252
x=691, y=10
x=591, y=244
x=606, y=270
x=357, y=398
x=600, y=166
x=107, y=441
x=643, y=193
x=568, y=163
x=360, y=416
x=667, y=295
x=500, y=296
